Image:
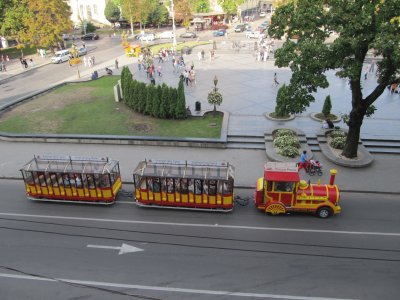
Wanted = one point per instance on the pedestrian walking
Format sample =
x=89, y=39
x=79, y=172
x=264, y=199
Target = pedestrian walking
x=366, y=73
x=93, y=60
x=139, y=62
x=116, y=63
x=159, y=70
x=85, y=62
x=275, y=83
x=202, y=54
x=199, y=55
x=372, y=66
x=3, y=67
x=31, y=63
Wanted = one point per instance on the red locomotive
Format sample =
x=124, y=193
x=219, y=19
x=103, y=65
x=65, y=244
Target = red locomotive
x=281, y=191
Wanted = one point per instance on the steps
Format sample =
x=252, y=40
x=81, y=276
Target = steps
x=258, y=142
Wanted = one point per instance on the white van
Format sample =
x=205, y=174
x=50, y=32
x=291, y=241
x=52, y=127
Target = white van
x=60, y=57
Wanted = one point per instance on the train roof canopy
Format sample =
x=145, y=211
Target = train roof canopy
x=281, y=171
x=70, y=164
x=185, y=169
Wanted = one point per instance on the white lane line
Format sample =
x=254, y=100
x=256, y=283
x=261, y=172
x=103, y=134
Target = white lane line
x=166, y=289
x=396, y=234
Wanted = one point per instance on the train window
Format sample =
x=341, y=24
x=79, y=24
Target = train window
x=177, y=185
x=28, y=177
x=269, y=186
x=53, y=179
x=164, y=184
x=184, y=186
x=90, y=181
x=65, y=180
x=283, y=186
x=227, y=188
x=41, y=179
x=156, y=185
x=212, y=187
x=150, y=184
x=170, y=185
x=198, y=186
x=113, y=178
x=78, y=180
x=191, y=186
x=104, y=181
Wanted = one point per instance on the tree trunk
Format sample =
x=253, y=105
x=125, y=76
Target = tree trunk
x=132, y=31
x=353, y=136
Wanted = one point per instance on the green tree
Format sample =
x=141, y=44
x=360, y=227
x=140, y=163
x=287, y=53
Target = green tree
x=230, y=6
x=45, y=22
x=361, y=26
x=283, y=100
x=326, y=109
x=13, y=17
x=159, y=15
x=173, y=96
x=183, y=11
x=156, y=101
x=164, y=103
x=142, y=91
x=112, y=12
x=180, y=110
x=149, y=100
x=201, y=6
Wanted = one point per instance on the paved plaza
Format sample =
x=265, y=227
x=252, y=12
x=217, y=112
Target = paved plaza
x=246, y=85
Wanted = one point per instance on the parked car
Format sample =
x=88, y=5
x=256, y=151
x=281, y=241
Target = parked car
x=65, y=36
x=82, y=51
x=240, y=28
x=166, y=35
x=219, y=32
x=260, y=29
x=253, y=34
x=188, y=35
x=262, y=14
x=147, y=37
x=60, y=57
x=90, y=36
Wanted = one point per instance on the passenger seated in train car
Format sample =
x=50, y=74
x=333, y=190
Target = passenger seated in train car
x=170, y=185
x=184, y=186
x=90, y=181
x=156, y=185
x=191, y=186
x=150, y=184
x=104, y=181
x=198, y=187
x=177, y=185
x=78, y=181
x=66, y=182
x=212, y=189
x=283, y=186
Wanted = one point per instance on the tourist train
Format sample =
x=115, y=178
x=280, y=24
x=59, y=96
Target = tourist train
x=176, y=184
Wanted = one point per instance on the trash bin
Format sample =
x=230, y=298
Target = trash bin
x=198, y=106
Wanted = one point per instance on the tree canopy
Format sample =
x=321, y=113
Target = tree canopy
x=37, y=22
x=361, y=27
x=230, y=6
x=112, y=12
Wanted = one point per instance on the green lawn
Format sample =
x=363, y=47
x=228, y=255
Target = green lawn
x=89, y=108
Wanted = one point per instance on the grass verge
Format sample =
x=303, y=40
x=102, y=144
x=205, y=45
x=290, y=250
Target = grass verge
x=89, y=108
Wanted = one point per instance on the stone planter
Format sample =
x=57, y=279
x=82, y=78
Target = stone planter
x=364, y=158
x=269, y=117
x=270, y=149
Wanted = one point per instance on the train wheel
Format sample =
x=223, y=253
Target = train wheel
x=324, y=212
x=275, y=209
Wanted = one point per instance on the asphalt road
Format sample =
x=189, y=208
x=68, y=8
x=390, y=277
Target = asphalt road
x=240, y=255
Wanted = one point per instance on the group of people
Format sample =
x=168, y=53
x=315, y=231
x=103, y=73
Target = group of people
x=88, y=62
x=189, y=77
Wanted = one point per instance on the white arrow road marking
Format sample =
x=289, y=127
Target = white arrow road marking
x=125, y=248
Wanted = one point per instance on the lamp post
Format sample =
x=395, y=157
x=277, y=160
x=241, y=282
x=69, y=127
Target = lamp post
x=215, y=83
x=173, y=25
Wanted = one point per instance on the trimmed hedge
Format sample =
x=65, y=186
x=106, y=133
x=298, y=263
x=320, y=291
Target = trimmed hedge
x=159, y=101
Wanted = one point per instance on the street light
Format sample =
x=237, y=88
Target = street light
x=215, y=83
x=173, y=25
